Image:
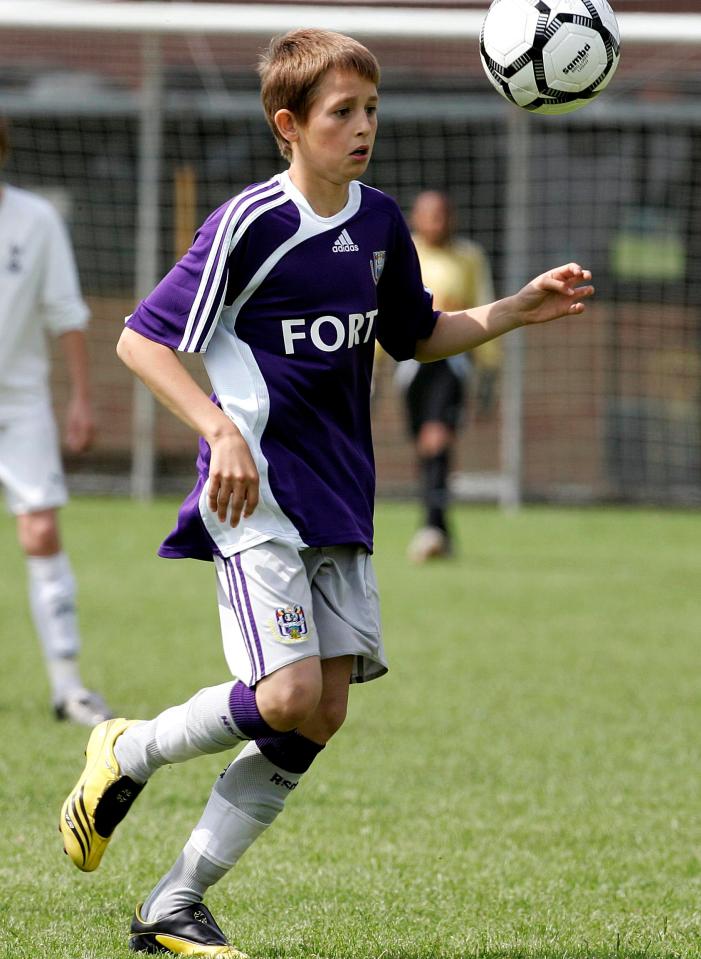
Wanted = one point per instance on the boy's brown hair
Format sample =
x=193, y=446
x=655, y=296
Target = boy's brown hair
x=4, y=140
x=294, y=65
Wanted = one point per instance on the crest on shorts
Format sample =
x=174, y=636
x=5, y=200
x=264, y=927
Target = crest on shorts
x=377, y=265
x=291, y=623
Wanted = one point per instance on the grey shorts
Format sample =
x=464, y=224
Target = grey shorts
x=278, y=605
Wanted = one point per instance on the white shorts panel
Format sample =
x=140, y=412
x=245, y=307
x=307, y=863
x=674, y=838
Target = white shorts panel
x=252, y=587
x=30, y=463
x=278, y=605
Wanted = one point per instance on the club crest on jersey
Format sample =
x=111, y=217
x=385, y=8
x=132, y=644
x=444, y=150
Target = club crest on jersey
x=377, y=265
x=291, y=624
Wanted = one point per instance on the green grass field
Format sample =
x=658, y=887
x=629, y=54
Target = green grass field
x=526, y=782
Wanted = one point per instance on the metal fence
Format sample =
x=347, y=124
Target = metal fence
x=137, y=132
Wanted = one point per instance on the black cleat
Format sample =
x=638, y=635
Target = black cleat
x=191, y=931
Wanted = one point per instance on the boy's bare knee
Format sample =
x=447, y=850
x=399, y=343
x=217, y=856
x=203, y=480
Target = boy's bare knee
x=288, y=697
x=289, y=707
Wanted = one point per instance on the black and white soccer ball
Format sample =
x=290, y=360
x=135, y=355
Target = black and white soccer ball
x=550, y=56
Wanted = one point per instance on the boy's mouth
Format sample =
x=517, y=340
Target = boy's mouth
x=360, y=152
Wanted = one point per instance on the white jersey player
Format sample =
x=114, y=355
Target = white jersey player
x=40, y=296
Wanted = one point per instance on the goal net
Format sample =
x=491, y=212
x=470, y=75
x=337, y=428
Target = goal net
x=138, y=119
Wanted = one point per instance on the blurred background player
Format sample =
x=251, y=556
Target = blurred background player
x=40, y=294
x=458, y=274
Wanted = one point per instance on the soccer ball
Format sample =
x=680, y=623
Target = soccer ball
x=550, y=56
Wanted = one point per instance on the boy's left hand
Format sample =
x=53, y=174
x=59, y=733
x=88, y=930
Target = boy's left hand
x=554, y=294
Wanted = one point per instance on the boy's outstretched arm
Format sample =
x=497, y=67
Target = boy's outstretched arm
x=551, y=295
x=233, y=477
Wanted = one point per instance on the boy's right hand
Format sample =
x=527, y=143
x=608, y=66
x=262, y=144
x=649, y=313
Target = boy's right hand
x=233, y=477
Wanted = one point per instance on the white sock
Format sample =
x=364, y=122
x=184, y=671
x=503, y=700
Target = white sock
x=52, y=597
x=244, y=802
x=198, y=727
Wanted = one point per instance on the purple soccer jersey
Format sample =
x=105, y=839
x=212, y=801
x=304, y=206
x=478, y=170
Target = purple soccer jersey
x=285, y=307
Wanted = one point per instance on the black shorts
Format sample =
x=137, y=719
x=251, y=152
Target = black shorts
x=436, y=394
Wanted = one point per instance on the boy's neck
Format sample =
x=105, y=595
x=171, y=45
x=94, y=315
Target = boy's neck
x=324, y=197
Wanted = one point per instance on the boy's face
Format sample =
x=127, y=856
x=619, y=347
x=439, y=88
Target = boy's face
x=336, y=140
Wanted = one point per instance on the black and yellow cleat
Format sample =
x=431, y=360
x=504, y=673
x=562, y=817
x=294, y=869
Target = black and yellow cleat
x=99, y=800
x=191, y=931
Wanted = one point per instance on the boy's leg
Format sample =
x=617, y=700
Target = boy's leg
x=248, y=796
x=252, y=589
x=216, y=719
x=122, y=755
x=219, y=717
x=253, y=789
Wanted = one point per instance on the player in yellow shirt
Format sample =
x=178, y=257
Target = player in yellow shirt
x=456, y=271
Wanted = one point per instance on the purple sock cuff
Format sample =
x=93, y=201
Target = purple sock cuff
x=290, y=751
x=244, y=712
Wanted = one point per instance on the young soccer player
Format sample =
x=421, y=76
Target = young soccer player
x=284, y=290
x=40, y=295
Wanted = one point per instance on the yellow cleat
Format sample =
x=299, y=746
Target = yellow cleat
x=99, y=800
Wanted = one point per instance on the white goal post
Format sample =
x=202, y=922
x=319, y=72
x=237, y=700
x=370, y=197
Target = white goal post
x=127, y=16
x=531, y=159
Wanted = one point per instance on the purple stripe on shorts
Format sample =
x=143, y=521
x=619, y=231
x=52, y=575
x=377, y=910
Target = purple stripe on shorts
x=254, y=628
x=290, y=751
x=238, y=612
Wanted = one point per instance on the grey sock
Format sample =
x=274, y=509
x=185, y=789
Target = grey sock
x=185, y=883
x=256, y=786
x=245, y=799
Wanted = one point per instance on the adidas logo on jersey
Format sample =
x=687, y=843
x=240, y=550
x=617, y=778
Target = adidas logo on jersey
x=344, y=244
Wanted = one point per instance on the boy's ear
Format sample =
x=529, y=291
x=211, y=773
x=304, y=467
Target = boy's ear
x=286, y=125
